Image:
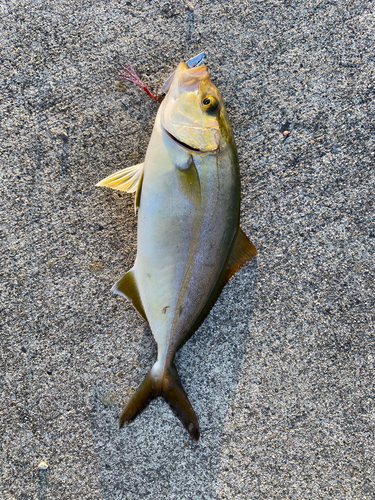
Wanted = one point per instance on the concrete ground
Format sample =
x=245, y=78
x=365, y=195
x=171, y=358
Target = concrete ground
x=281, y=373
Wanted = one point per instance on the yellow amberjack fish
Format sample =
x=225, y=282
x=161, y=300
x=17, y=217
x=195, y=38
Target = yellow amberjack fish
x=189, y=239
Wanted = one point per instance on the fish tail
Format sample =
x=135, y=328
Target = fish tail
x=144, y=395
x=169, y=387
x=173, y=393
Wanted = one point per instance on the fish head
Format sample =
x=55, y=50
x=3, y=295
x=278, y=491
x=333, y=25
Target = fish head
x=193, y=112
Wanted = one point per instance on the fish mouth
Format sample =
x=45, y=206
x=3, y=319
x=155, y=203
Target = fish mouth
x=189, y=148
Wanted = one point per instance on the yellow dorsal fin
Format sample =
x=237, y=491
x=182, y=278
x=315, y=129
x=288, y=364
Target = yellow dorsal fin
x=124, y=180
x=241, y=252
x=127, y=287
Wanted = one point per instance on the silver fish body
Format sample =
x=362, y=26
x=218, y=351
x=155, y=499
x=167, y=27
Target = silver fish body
x=189, y=241
x=188, y=217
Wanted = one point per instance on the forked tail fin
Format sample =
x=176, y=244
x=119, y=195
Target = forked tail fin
x=170, y=389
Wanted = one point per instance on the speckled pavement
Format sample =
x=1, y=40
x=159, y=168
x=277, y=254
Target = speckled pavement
x=281, y=373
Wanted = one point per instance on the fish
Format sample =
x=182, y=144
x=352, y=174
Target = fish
x=189, y=242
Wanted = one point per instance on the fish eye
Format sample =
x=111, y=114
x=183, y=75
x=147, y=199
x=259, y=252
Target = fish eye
x=209, y=103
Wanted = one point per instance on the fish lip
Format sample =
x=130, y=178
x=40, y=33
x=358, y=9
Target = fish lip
x=188, y=148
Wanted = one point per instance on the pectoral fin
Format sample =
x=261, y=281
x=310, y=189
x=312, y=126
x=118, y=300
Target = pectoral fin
x=127, y=179
x=189, y=183
x=127, y=287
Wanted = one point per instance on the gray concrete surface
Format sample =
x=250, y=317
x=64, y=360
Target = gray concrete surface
x=281, y=373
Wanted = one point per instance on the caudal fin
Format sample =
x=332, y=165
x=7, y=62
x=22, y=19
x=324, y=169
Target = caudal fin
x=175, y=396
x=144, y=395
x=171, y=390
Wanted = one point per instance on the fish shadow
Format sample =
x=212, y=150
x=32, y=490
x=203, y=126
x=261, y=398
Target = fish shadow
x=153, y=456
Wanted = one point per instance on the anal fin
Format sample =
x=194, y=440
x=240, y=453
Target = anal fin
x=127, y=287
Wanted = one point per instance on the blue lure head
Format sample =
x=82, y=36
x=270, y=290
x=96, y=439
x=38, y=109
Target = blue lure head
x=194, y=62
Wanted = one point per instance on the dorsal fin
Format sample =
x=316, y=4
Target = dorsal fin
x=126, y=179
x=127, y=287
x=241, y=252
